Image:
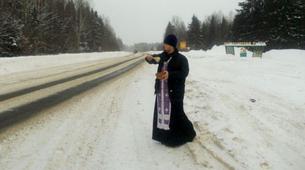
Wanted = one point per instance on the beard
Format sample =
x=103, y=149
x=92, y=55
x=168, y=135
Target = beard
x=168, y=51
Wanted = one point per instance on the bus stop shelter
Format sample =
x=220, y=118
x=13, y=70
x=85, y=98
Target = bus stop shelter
x=256, y=47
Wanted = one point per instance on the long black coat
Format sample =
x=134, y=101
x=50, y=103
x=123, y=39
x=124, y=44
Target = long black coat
x=181, y=129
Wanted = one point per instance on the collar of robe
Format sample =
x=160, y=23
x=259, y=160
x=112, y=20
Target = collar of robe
x=169, y=56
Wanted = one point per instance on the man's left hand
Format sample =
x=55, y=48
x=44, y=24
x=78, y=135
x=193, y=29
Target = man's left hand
x=165, y=75
x=162, y=75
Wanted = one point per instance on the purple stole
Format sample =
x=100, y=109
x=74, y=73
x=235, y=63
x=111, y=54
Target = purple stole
x=163, y=103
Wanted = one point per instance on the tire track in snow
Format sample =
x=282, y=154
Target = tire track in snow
x=208, y=149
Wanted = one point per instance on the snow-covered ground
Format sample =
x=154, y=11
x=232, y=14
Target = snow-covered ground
x=254, y=107
x=249, y=114
x=21, y=64
x=107, y=128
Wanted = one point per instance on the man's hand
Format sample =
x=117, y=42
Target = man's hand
x=165, y=75
x=153, y=59
x=149, y=58
x=162, y=75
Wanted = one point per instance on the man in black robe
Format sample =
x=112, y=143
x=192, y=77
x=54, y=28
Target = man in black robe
x=180, y=129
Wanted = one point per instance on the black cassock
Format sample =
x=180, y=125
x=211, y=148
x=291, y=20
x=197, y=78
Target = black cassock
x=181, y=129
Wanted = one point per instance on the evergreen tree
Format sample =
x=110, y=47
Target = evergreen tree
x=280, y=23
x=204, y=34
x=214, y=30
x=212, y=38
x=170, y=29
x=225, y=28
x=31, y=27
x=194, y=32
x=70, y=30
x=179, y=28
x=10, y=34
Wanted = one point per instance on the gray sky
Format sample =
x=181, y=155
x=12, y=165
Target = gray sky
x=145, y=20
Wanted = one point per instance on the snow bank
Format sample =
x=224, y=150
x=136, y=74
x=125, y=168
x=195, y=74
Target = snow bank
x=216, y=51
x=292, y=56
x=20, y=64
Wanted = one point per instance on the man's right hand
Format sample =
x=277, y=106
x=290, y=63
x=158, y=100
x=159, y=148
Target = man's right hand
x=149, y=58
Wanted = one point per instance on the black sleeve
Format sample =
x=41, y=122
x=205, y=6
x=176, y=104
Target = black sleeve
x=183, y=72
x=154, y=61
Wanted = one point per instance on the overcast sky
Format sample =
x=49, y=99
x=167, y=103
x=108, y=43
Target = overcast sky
x=145, y=20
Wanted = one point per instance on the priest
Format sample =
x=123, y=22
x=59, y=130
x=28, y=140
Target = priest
x=171, y=126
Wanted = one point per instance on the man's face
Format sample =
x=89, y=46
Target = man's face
x=168, y=48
